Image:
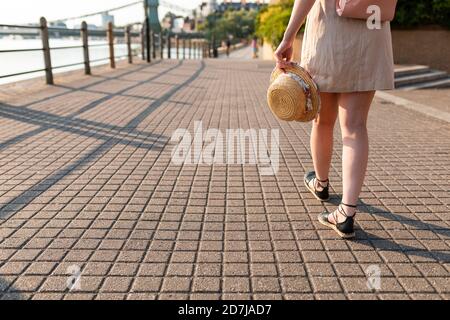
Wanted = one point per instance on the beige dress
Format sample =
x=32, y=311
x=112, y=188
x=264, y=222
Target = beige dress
x=344, y=55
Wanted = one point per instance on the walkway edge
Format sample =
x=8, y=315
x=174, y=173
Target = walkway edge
x=414, y=106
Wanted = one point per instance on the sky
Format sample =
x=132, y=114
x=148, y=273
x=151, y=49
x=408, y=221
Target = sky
x=27, y=11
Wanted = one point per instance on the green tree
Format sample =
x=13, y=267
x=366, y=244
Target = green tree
x=240, y=24
x=272, y=21
x=419, y=13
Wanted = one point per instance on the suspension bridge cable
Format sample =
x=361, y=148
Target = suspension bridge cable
x=163, y=3
x=100, y=12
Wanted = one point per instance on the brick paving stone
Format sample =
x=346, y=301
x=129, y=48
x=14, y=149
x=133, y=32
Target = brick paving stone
x=265, y=284
x=174, y=296
x=54, y=284
x=325, y=284
x=236, y=284
x=27, y=283
x=330, y=296
x=40, y=268
x=147, y=284
x=116, y=284
x=79, y=296
x=204, y=296
x=141, y=296
x=176, y=284
x=86, y=180
x=48, y=296
x=110, y=296
x=206, y=284
x=296, y=284
x=416, y=285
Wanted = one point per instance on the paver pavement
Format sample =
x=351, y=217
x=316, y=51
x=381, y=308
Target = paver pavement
x=88, y=188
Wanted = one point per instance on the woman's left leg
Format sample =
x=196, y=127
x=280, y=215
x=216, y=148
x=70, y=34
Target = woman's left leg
x=353, y=113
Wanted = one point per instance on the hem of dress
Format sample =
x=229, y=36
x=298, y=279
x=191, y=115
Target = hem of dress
x=355, y=90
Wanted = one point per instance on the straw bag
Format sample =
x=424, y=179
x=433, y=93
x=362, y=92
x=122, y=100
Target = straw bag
x=360, y=9
x=293, y=95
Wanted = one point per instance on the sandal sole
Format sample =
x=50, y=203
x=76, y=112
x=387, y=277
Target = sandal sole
x=341, y=234
x=313, y=193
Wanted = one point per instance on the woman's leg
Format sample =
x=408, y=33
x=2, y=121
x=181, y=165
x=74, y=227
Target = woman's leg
x=353, y=113
x=322, y=135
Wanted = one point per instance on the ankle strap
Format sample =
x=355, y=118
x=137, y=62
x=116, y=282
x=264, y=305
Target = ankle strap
x=328, y=180
x=342, y=211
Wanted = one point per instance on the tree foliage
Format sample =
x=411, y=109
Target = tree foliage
x=240, y=24
x=273, y=20
x=419, y=13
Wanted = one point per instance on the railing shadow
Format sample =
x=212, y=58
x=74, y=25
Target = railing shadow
x=81, y=127
x=92, y=84
x=46, y=121
x=125, y=95
x=9, y=293
x=376, y=242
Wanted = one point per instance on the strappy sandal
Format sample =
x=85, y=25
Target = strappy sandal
x=344, y=229
x=322, y=195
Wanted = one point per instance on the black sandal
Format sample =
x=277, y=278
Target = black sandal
x=323, y=195
x=344, y=229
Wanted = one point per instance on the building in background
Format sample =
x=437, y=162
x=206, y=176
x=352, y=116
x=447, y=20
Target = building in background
x=107, y=18
x=206, y=8
x=189, y=24
x=239, y=5
x=58, y=24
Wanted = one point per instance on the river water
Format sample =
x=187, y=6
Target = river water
x=16, y=62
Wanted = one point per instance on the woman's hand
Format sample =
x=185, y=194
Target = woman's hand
x=284, y=53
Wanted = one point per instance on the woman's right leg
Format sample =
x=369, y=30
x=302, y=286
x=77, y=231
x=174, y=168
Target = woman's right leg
x=322, y=135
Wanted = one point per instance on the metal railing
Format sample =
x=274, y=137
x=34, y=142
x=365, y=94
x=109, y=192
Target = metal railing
x=197, y=47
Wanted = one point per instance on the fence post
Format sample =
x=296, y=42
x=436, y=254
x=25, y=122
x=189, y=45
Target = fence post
x=202, y=44
x=46, y=48
x=190, y=48
x=194, y=46
x=110, y=34
x=128, y=42
x=177, y=44
x=84, y=38
x=161, y=45
x=198, y=50
x=152, y=36
x=204, y=49
x=143, y=42
x=169, y=46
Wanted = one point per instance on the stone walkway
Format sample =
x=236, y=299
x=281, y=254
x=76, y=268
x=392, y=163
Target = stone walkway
x=88, y=189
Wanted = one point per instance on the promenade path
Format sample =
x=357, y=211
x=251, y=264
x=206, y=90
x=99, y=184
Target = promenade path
x=87, y=187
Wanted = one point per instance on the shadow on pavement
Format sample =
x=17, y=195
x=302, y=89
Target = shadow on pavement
x=8, y=293
x=379, y=243
x=93, y=129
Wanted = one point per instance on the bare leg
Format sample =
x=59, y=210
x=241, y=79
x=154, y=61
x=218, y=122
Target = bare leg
x=322, y=136
x=353, y=113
